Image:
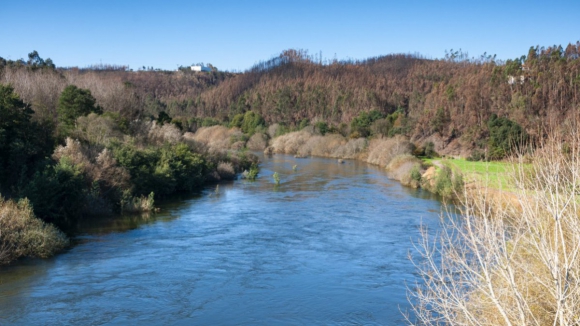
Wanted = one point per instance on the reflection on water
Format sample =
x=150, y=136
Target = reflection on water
x=329, y=245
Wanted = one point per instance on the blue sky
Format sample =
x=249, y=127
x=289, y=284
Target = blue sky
x=234, y=35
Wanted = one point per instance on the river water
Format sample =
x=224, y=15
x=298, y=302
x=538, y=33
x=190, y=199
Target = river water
x=329, y=245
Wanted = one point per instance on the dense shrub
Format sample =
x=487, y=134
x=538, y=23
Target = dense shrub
x=74, y=102
x=57, y=193
x=430, y=150
x=321, y=127
x=362, y=123
x=208, y=122
x=226, y=171
x=237, y=121
x=24, y=235
x=504, y=136
x=448, y=183
x=97, y=129
x=251, y=122
x=165, y=170
x=24, y=144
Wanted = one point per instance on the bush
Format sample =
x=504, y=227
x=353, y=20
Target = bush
x=226, y=171
x=416, y=173
x=448, y=183
x=237, y=121
x=251, y=174
x=362, y=123
x=58, y=193
x=24, y=235
x=430, y=150
x=97, y=129
x=252, y=120
x=165, y=170
x=321, y=127
x=140, y=204
x=476, y=155
x=74, y=102
x=504, y=136
x=508, y=258
x=208, y=122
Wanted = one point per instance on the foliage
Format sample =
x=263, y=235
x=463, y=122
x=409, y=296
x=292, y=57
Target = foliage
x=440, y=121
x=208, y=122
x=24, y=235
x=416, y=173
x=476, y=155
x=74, y=102
x=137, y=204
x=251, y=122
x=97, y=129
x=23, y=143
x=226, y=171
x=321, y=127
x=163, y=117
x=430, y=150
x=448, y=183
x=237, y=121
x=362, y=123
x=165, y=170
x=276, y=177
x=57, y=193
x=504, y=136
x=393, y=124
x=252, y=173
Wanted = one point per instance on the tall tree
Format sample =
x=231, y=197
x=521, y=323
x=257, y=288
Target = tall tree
x=23, y=143
x=74, y=102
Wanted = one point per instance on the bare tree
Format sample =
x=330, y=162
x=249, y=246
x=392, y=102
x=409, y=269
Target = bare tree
x=510, y=257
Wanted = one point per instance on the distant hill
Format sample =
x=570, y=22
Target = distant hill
x=448, y=101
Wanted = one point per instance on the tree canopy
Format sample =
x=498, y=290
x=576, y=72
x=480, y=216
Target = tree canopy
x=75, y=102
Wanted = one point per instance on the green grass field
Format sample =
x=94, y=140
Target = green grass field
x=492, y=174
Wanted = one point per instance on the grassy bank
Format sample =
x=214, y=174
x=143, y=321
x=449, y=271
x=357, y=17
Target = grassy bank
x=491, y=174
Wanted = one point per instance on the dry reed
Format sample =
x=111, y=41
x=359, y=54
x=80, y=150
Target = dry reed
x=509, y=264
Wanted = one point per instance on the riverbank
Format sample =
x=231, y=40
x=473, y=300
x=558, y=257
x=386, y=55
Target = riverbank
x=397, y=155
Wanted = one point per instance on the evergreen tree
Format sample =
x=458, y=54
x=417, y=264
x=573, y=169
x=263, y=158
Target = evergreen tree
x=74, y=102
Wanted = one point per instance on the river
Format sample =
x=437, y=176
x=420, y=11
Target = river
x=329, y=245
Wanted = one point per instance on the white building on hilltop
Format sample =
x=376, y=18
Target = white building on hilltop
x=200, y=68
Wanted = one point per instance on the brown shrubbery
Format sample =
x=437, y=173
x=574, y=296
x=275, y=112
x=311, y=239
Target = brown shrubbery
x=306, y=143
x=24, y=235
x=382, y=151
x=404, y=168
x=216, y=138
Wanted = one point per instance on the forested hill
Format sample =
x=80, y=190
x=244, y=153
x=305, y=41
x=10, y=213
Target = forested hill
x=454, y=98
x=450, y=101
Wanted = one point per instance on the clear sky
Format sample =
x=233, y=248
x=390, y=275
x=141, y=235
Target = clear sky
x=235, y=34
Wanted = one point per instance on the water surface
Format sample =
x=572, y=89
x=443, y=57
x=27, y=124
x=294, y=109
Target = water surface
x=327, y=246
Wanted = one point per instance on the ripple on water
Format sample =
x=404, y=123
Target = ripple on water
x=327, y=246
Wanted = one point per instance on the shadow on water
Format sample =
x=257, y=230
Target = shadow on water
x=329, y=245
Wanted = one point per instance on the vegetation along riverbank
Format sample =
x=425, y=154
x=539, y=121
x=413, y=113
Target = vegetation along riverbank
x=81, y=142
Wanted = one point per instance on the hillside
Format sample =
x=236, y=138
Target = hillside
x=448, y=102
